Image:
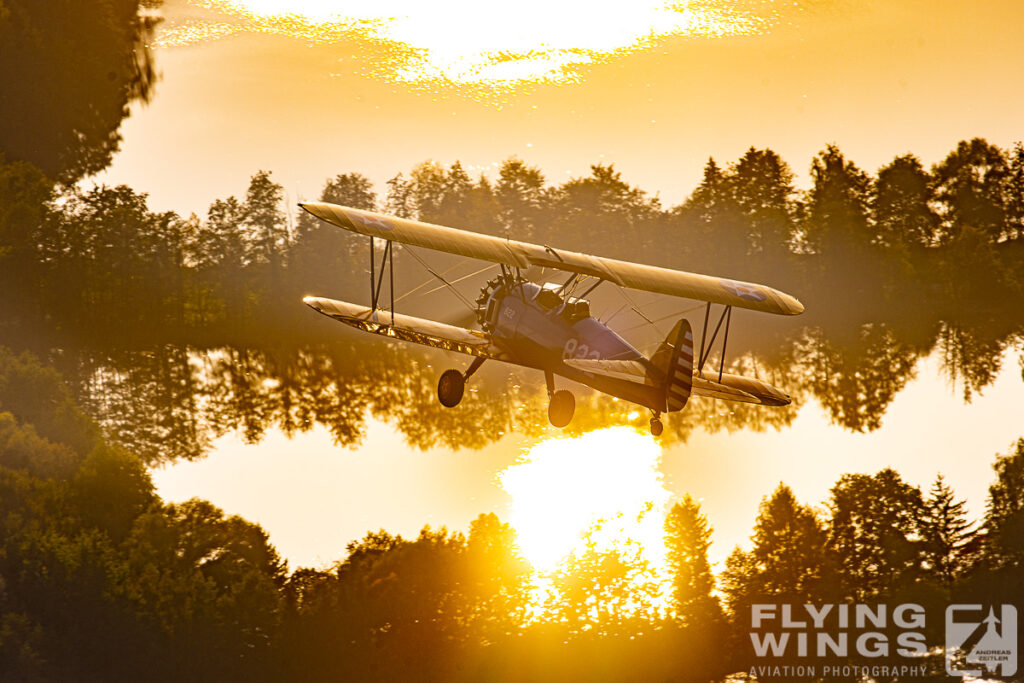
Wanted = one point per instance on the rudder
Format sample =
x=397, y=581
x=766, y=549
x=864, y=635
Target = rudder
x=675, y=358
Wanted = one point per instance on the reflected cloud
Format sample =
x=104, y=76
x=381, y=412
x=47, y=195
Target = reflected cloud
x=461, y=43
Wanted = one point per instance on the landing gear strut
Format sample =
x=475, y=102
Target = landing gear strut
x=656, y=427
x=562, y=404
x=452, y=384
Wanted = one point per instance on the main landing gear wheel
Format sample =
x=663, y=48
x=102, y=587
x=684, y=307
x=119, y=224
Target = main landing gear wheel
x=656, y=426
x=561, y=408
x=450, y=388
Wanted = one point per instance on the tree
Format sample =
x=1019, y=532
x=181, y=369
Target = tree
x=788, y=559
x=761, y=185
x=496, y=581
x=399, y=201
x=111, y=489
x=114, y=262
x=211, y=583
x=708, y=222
x=602, y=592
x=788, y=564
x=68, y=71
x=25, y=195
x=350, y=189
x=837, y=206
x=323, y=253
x=411, y=602
x=970, y=187
x=947, y=540
x=687, y=537
x=602, y=208
x=220, y=242
x=1004, y=518
x=521, y=200
x=264, y=218
x=428, y=185
x=1015, y=194
x=35, y=395
x=874, y=533
x=902, y=204
x=453, y=206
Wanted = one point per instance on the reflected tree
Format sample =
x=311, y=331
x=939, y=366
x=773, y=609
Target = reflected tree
x=857, y=382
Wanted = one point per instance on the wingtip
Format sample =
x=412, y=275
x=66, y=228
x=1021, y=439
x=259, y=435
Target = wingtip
x=789, y=304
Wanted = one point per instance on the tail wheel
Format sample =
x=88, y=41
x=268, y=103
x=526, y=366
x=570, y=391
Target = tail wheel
x=656, y=426
x=450, y=388
x=561, y=408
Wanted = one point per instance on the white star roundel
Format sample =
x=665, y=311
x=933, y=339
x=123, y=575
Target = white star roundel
x=743, y=291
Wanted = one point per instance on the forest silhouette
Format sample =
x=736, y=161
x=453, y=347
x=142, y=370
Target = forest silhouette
x=132, y=338
x=101, y=580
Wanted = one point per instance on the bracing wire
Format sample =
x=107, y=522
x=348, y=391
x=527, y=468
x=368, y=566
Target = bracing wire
x=665, y=317
x=620, y=309
x=464, y=277
x=429, y=279
x=430, y=270
x=636, y=310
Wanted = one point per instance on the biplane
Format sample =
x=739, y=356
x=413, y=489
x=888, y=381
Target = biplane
x=549, y=327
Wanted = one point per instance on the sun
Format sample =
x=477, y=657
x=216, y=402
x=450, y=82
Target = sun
x=606, y=483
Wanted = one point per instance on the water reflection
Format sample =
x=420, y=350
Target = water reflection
x=175, y=331
x=168, y=403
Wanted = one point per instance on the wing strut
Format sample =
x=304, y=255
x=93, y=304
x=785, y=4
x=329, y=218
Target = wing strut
x=705, y=345
x=377, y=283
x=591, y=289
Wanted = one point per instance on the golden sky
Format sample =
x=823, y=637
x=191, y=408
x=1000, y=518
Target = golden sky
x=564, y=85
x=879, y=78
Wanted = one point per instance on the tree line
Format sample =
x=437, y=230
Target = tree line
x=891, y=267
x=105, y=261
x=101, y=580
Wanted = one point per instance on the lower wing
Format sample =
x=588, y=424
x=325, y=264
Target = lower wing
x=407, y=328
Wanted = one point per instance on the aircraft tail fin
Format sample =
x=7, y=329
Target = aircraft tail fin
x=675, y=358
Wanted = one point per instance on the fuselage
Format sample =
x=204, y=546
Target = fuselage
x=539, y=328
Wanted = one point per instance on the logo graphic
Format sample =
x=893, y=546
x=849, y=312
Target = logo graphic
x=981, y=640
x=747, y=292
x=370, y=221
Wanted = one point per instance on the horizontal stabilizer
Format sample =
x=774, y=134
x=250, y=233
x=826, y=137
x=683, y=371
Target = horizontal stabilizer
x=629, y=370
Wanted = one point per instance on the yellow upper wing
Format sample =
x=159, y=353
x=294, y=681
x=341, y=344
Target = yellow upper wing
x=523, y=255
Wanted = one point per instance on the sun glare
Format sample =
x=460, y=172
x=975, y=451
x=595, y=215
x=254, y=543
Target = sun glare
x=605, y=483
x=470, y=42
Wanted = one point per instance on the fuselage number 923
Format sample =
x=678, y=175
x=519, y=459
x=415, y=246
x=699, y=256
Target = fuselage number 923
x=573, y=349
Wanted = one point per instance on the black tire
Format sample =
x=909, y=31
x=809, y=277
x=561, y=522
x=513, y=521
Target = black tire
x=450, y=388
x=656, y=427
x=561, y=408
